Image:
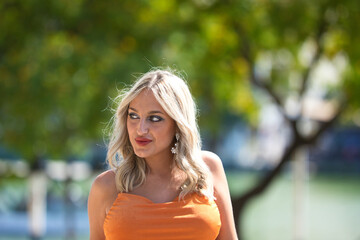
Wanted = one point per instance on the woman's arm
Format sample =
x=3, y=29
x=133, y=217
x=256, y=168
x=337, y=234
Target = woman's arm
x=222, y=195
x=100, y=199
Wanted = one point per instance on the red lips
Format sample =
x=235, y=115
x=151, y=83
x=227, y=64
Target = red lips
x=142, y=141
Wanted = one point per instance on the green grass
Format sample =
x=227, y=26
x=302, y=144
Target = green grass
x=330, y=208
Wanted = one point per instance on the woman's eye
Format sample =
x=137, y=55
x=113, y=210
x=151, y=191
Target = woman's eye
x=133, y=116
x=155, y=118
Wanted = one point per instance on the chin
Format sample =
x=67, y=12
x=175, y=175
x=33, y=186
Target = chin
x=141, y=154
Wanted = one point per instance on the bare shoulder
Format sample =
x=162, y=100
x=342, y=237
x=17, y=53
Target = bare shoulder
x=212, y=160
x=221, y=194
x=103, y=192
x=101, y=197
x=216, y=168
x=104, y=183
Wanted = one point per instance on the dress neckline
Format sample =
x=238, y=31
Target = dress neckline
x=150, y=201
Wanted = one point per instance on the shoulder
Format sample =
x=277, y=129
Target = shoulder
x=104, y=184
x=101, y=197
x=105, y=178
x=103, y=191
x=221, y=194
x=212, y=160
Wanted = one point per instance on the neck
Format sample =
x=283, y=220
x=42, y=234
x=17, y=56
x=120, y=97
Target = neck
x=160, y=166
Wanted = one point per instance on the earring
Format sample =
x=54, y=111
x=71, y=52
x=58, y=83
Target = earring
x=174, y=149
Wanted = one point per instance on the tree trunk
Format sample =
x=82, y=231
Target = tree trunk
x=239, y=203
x=69, y=211
x=37, y=204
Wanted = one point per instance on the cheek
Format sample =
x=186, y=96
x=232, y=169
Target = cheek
x=129, y=127
x=168, y=134
x=130, y=131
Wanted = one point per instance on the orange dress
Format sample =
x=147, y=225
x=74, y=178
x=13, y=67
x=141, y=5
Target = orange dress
x=134, y=217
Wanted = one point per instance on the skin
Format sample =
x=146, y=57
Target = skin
x=147, y=119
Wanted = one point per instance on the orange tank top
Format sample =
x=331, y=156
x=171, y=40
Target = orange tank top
x=133, y=217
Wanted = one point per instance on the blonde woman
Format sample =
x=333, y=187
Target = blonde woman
x=161, y=185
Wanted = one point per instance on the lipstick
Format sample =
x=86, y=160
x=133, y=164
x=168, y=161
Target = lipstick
x=142, y=141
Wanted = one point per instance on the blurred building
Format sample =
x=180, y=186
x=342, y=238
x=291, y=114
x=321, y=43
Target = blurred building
x=337, y=151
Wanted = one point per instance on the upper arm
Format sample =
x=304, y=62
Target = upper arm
x=100, y=197
x=222, y=195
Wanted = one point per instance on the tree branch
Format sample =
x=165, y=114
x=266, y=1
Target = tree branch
x=246, y=53
x=325, y=125
x=319, y=51
x=240, y=202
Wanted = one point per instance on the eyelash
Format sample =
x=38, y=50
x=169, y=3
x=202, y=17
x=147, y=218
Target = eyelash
x=133, y=116
x=153, y=118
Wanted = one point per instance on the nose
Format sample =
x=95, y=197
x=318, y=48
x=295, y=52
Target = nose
x=142, y=127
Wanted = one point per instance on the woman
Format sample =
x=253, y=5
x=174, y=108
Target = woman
x=161, y=185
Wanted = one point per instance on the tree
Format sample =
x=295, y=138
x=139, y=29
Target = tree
x=60, y=62
x=274, y=48
x=278, y=31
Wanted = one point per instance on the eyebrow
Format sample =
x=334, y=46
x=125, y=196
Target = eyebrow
x=151, y=112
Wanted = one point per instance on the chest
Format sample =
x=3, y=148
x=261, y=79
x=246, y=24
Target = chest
x=136, y=217
x=160, y=190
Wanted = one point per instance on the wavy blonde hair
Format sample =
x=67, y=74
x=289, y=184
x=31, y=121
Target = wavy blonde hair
x=174, y=96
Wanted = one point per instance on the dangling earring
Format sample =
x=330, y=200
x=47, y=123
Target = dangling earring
x=174, y=149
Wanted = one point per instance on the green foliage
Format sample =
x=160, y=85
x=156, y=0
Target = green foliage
x=60, y=61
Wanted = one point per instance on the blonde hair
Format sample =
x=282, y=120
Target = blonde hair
x=174, y=96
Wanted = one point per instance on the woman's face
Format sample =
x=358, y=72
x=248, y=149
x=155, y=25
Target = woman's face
x=151, y=130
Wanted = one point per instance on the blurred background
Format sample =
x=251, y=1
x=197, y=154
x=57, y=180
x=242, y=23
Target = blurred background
x=276, y=82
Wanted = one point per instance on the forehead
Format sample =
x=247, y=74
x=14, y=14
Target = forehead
x=146, y=101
